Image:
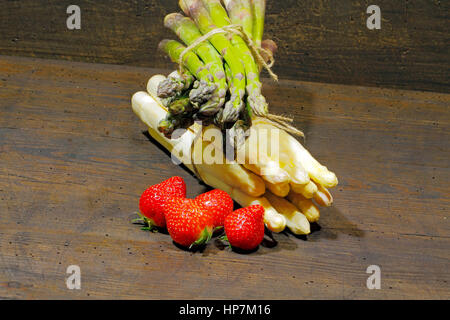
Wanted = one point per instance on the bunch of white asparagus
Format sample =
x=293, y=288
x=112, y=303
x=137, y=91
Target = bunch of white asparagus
x=289, y=194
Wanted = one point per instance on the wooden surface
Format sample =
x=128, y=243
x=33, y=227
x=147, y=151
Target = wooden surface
x=74, y=160
x=319, y=40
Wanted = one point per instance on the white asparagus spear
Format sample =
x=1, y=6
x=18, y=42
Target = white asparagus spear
x=298, y=154
x=306, y=206
x=323, y=197
x=307, y=190
x=259, y=155
x=297, y=174
x=152, y=85
x=280, y=189
x=269, y=170
x=272, y=218
x=295, y=220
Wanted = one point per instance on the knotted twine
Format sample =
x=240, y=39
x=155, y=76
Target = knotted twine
x=278, y=121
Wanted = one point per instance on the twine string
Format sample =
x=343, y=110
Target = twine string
x=236, y=30
x=281, y=124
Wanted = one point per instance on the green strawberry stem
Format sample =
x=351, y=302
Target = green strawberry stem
x=142, y=219
x=188, y=32
x=224, y=238
x=204, y=238
x=253, y=84
x=138, y=220
x=196, y=10
x=149, y=223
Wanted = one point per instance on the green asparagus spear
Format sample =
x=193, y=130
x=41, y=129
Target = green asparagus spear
x=203, y=95
x=253, y=84
x=188, y=32
x=219, y=119
x=175, y=84
x=196, y=10
x=200, y=96
x=190, y=60
x=240, y=12
x=259, y=11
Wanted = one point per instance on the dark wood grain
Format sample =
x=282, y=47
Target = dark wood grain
x=73, y=162
x=324, y=41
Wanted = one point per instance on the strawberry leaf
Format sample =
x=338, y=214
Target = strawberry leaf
x=204, y=238
x=224, y=238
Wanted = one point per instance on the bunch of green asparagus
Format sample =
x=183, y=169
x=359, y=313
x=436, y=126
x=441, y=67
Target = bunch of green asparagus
x=219, y=78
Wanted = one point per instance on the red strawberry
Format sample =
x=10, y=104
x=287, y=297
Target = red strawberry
x=219, y=203
x=188, y=222
x=154, y=199
x=244, y=227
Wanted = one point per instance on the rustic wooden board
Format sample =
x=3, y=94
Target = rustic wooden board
x=74, y=160
x=324, y=41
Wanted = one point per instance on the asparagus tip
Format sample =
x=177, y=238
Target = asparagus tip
x=169, y=87
x=166, y=127
x=162, y=44
x=180, y=106
x=172, y=19
x=231, y=112
x=202, y=92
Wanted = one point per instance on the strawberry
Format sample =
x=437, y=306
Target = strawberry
x=244, y=228
x=188, y=222
x=219, y=203
x=154, y=199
